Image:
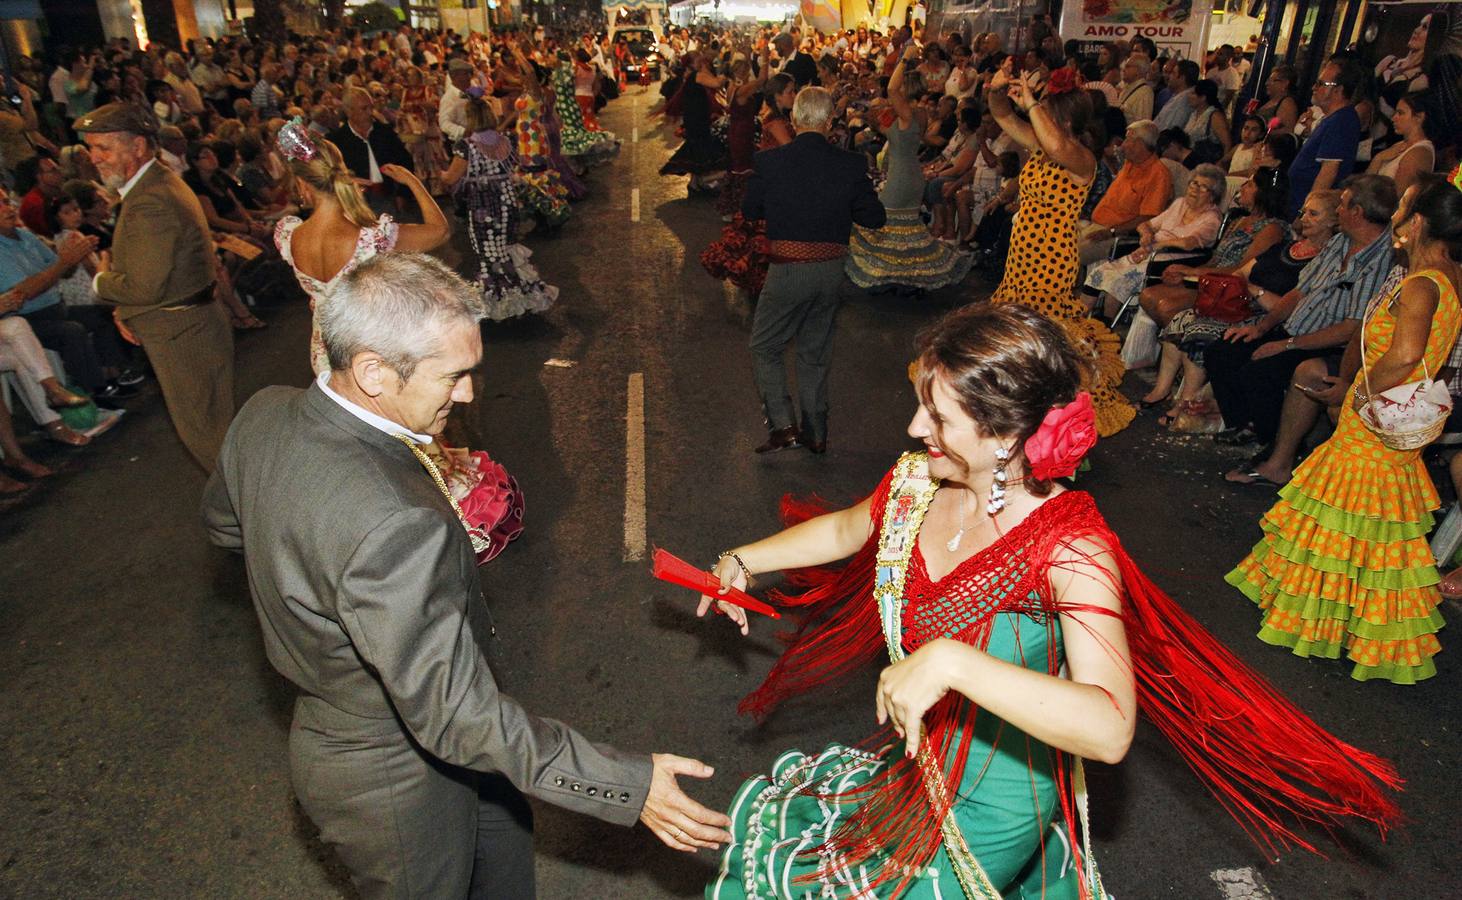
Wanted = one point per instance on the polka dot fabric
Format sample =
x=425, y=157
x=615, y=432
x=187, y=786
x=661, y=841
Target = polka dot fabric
x=1344, y=565
x=1040, y=272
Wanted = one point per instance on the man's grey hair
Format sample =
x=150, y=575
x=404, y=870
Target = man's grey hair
x=813, y=109
x=1213, y=178
x=1144, y=66
x=1145, y=131
x=398, y=305
x=1373, y=195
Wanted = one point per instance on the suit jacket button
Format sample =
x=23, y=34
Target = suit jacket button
x=558, y=781
x=624, y=798
x=592, y=791
x=575, y=786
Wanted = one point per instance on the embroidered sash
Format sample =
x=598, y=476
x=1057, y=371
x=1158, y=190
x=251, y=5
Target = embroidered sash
x=908, y=501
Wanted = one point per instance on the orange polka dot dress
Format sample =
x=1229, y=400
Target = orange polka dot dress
x=1040, y=272
x=1344, y=565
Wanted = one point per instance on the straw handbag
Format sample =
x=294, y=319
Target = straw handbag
x=1436, y=400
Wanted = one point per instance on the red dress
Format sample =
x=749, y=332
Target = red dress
x=740, y=254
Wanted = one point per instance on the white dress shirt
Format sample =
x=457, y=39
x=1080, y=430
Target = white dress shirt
x=380, y=423
x=451, y=113
x=375, y=171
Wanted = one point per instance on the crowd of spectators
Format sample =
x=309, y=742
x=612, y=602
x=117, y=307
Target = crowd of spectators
x=394, y=98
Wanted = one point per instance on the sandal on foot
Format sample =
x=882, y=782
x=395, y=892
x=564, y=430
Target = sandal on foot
x=58, y=432
x=1251, y=478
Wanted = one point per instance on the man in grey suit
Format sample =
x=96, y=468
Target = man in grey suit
x=402, y=750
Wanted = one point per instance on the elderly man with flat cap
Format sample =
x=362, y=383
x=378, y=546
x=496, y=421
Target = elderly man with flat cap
x=160, y=274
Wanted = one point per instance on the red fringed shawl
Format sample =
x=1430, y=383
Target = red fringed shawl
x=1271, y=766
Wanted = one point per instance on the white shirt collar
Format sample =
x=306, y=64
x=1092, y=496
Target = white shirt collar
x=377, y=422
x=136, y=175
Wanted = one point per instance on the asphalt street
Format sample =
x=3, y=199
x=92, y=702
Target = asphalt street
x=143, y=733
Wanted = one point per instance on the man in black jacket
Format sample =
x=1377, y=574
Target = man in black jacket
x=810, y=193
x=366, y=145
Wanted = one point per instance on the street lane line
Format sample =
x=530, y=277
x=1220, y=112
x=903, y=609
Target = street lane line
x=634, y=204
x=634, y=470
x=634, y=135
x=1240, y=884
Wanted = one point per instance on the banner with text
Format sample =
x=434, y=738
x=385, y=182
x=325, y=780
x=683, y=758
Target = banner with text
x=1178, y=27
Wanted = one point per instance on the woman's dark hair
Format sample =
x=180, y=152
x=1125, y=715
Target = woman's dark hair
x=581, y=55
x=1282, y=146
x=1424, y=102
x=1271, y=200
x=1207, y=91
x=83, y=192
x=1008, y=365
x=225, y=152
x=54, y=207
x=776, y=85
x=1263, y=125
x=969, y=117
x=1286, y=72
x=1440, y=208
x=1008, y=164
x=1073, y=109
x=1091, y=71
x=155, y=87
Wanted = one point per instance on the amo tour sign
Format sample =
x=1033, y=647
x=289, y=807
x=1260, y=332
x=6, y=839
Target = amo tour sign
x=1178, y=27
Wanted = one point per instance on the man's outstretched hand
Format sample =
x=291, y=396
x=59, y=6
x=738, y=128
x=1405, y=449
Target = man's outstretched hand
x=673, y=816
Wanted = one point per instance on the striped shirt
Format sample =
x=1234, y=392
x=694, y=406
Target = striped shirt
x=1334, y=289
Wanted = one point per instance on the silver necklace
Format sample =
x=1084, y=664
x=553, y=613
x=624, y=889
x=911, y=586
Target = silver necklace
x=952, y=545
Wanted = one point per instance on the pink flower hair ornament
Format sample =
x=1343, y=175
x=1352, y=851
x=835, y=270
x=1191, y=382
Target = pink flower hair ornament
x=1065, y=436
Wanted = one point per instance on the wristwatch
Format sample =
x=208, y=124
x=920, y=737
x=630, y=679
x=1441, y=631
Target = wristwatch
x=1289, y=344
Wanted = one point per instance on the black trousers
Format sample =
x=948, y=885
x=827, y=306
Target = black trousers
x=1251, y=392
x=57, y=331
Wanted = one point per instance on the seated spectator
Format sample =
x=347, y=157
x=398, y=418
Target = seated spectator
x=945, y=180
x=1329, y=154
x=81, y=304
x=1321, y=385
x=1182, y=102
x=1207, y=127
x=1104, y=138
x=1141, y=190
x=172, y=149
x=1242, y=158
x=1271, y=274
x=164, y=102
x=994, y=217
x=96, y=212
x=44, y=176
x=366, y=146
x=29, y=273
x=1176, y=150
x=12, y=456
x=1190, y=223
x=42, y=391
x=1263, y=199
x=75, y=162
x=1134, y=95
x=1415, y=153
x=1252, y=367
x=221, y=205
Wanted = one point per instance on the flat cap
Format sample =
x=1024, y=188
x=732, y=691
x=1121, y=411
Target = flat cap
x=127, y=117
x=458, y=64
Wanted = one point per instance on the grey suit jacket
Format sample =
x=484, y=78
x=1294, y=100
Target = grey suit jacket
x=367, y=592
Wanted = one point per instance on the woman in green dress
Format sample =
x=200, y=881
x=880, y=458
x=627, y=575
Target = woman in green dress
x=1005, y=606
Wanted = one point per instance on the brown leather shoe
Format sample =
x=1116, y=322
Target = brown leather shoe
x=781, y=439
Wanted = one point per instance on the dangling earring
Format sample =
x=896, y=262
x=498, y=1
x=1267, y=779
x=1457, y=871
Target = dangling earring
x=997, y=487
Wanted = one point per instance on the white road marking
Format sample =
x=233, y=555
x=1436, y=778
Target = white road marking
x=634, y=204
x=1240, y=884
x=634, y=470
x=634, y=135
